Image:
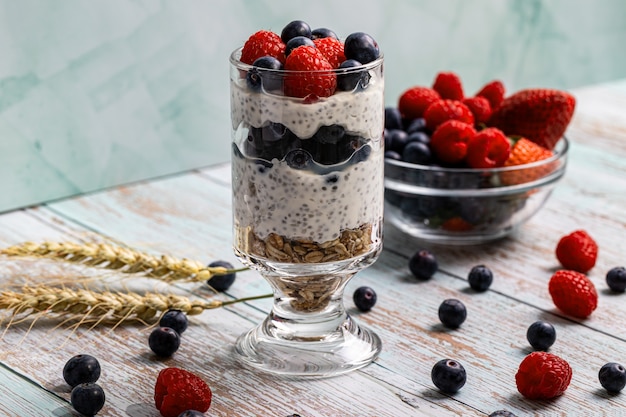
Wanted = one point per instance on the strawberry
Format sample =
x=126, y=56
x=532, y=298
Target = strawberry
x=573, y=293
x=448, y=85
x=443, y=110
x=577, y=251
x=449, y=141
x=524, y=152
x=489, y=148
x=480, y=108
x=314, y=77
x=493, y=92
x=414, y=101
x=332, y=49
x=263, y=43
x=542, y=376
x=177, y=390
x=541, y=115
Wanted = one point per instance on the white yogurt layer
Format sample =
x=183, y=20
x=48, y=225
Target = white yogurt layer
x=359, y=113
x=302, y=205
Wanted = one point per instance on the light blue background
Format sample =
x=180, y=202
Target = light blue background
x=97, y=93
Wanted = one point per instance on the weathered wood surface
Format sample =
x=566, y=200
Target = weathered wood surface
x=189, y=216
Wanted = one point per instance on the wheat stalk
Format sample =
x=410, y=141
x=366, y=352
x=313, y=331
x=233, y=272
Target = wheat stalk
x=164, y=267
x=103, y=306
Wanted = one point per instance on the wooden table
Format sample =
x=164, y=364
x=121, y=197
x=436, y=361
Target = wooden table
x=189, y=216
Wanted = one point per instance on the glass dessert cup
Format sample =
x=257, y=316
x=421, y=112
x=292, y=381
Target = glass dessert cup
x=308, y=190
x=463, y=206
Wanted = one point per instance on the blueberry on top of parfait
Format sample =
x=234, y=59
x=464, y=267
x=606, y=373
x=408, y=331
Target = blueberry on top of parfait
x=297, y=41
x=349, y=80
x=295, y=28
x=257, y=77
x=323, y=33
x=361, y=47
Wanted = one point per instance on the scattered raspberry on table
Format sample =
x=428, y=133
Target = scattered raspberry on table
x=542, y=376
x=177, y=390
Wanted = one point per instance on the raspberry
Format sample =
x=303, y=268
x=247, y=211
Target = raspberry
x=332, y=49
x=489, y=148
x=542, y=376
x=263, y=43
x=449, y=86
x=480, y=108
x=414, y=101
x=493, y=92
x=449, y=141
x=456, y=224
x=314, y=78
x=573, y=293
x=443, y=110
x=577, y=251
x=177, y=390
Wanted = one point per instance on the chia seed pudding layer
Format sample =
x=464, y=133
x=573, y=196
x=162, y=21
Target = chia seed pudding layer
x=359, y=113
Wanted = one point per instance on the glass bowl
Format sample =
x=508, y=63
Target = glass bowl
x=468, y=206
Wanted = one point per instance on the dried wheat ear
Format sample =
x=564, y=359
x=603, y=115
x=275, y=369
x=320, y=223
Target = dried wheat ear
x=103, y=306
x=126, y=260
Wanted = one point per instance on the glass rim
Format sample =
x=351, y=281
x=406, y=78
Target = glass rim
x=563, y=143
x=236, y=54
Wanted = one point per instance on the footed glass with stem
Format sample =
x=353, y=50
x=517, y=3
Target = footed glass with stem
x=307, y=178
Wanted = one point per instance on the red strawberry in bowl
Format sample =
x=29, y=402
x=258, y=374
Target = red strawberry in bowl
x=538, y=114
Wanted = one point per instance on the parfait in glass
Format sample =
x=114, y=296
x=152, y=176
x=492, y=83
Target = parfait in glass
x=307, y=175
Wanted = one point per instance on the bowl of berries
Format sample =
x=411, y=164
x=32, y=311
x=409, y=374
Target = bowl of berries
x=471, y=169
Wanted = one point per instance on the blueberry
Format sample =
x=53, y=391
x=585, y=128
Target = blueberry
x=448, y=375
x=164, y=341
x=418, y=137
x=174, y=319
x=393, y=118
x=329, y=134
x=81, y=369
x=452, y=313
x=262, y=74
x=87, y=398
x=295, y=28
x=541, y=335
x=502, y=413
x=361, y=47
x=364, y=298
x=191, y=413
x=612, y=377
x=221, y=282
x=480, y=278
x=393, y=155
x=416, y=125
x=397, y=140
x=297, y=41
x=323, y=33
x=298, y=159
x=423, y=264
x=349, y=79
x=361, y=154
x=417, y=153
x=616, y=279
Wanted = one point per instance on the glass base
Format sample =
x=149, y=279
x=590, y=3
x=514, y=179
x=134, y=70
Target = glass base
x=298, y=350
